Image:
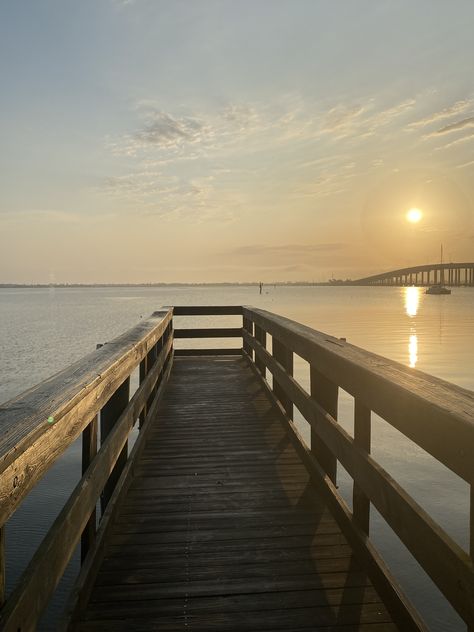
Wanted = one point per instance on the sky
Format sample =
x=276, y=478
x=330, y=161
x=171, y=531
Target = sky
x=218, y=140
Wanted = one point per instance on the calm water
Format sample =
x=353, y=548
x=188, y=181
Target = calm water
x=44, y=330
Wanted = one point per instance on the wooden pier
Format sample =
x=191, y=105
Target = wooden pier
x=221, y=518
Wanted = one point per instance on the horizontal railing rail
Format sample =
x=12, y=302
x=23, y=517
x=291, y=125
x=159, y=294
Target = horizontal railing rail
x=208, y=332
x=92, y=397
x=221, y=332
x=207, y=310
x=38, y=426
x=436, y=415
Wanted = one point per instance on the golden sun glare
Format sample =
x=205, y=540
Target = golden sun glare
x=414, y=215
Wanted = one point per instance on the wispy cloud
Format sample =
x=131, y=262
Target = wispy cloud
x=454, y=127
x=469, y=163
x=342, y=117
x=457, y=141
x=450, y=111
x=202, y=162
x=165, y=131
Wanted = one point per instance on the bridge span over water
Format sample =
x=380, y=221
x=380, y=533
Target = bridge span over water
x=452, y=274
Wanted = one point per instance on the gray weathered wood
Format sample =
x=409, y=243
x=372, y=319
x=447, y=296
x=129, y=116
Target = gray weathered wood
x=38, y=426
x=109, y=415
x=2, y=566
x=284, y=356
x=31, y=595
x=207, y=310
x=400, y=607
x=89, y=451
x=168, y=565
x=201, y=352
x=362, y=432
x=84, y=583
x=261, y=337
x=436, y=415
x=143, y=372
x=209, y=332
x=196, y=487
x=248, y=326
x=441, y=557
x=325, y=393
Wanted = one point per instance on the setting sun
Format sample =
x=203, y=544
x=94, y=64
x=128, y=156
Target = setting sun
x=414, y=215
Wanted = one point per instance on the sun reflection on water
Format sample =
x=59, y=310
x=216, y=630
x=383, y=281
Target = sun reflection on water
x=412, y=303
x=412, y=300
x=413, y=350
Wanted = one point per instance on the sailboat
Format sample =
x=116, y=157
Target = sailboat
x=439, y=288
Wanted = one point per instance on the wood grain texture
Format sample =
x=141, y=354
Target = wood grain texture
x=207, y=310
x=362, y=438
x=435, y=414
x=83, y=585
x=37, y=584
x=441, y=557
x=401, y=609
x=221, y=527
x=209, y=332
x=208, y=352
x=89, y=451
x=36, y=427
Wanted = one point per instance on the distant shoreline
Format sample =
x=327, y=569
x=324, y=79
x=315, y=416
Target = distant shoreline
x=102, y=285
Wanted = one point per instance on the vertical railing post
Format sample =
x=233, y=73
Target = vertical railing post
x=89, y=450
x=158, y=347
x=261, y=337
x=470, y=627
x=143, y=372
x=150, y=361
x=283, y=356
x=248, y=327
x=2, y=566
x=108, y=417
x=362, y=433
x=325, y=393
x=147, y=364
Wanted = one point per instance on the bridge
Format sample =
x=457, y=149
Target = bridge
x=451, y=274
x=219, y=516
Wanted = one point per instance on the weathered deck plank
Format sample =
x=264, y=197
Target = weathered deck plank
x=222, y=528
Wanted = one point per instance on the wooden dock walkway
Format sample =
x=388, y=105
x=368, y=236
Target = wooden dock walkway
x=222, y=528
x=219, y=517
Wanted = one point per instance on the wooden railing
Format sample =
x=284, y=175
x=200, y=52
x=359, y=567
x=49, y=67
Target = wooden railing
x=38, y=426
x=208, y=332
x=436, y=415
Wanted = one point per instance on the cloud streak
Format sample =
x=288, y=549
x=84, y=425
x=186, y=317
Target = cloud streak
x=455, y=109
x=458, y=125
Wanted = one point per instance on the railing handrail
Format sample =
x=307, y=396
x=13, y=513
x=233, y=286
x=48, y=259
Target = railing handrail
x=50, y=416
x=437, y=415
x=73, y=398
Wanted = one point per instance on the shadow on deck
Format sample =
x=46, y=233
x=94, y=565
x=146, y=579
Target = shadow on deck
x=221, y=518
x=221, y=527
